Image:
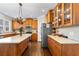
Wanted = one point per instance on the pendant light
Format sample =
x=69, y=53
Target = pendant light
x=19, y=18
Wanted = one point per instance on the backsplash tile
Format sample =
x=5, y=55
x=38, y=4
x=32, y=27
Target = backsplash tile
x=71, y=32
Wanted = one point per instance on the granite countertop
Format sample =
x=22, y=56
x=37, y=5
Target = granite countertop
x=62, y=40
x=15, y=39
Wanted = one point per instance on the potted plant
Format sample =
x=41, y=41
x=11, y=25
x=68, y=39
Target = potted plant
x=20, y=30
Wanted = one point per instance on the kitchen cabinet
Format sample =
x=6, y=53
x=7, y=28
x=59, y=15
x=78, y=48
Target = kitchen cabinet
x=49, y=16
x=61, y=49
x=66, y=14
x=29, y=21
x=22, y=46
x=55, y=22
x=71, y=14
x=60, y=15
x=34, y=37
x=54, y=47
x=68, y=20
x=75, y=13
x=35, y=24
x=15, y=25
x=14, y=49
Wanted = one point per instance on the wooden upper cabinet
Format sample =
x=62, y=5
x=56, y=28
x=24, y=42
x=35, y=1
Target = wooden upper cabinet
x=60, y=15
x=34, y=24
x=15, y=25
x=68, y=20
x=71, y=14
x=49, y=16
x=31, y=22
x=66, y=14
x=55, y=20
x=75, y=13
x=28, y=22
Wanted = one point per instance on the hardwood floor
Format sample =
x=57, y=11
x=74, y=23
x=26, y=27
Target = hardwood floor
x=35, y=49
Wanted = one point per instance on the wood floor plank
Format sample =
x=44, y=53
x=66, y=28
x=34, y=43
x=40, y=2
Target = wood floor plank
x=35, y=49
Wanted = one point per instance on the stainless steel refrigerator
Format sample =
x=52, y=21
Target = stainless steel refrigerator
x=45, y=31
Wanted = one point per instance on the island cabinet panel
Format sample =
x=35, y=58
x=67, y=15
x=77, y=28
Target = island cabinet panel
x=8, y=49
x=22, y=46
x=13, y=49
x=58, y=49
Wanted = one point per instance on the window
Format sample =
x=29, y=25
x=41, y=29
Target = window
x=7, y=26
x=1, y=26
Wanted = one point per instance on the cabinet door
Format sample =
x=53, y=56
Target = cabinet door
x=29, y=21
x=75, y=13
x=22, y=46
x=34, y=24
x=34, y=37
x=54, y=47
x=15, y=25
x=55, y=21
x=60, y=15
x=67, y=14
x=50, y=46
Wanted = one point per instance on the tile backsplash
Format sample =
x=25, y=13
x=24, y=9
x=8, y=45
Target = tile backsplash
x=71, y=32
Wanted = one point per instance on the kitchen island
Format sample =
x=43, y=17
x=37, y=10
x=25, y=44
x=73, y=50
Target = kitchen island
x=14, y=46
x=60, y=46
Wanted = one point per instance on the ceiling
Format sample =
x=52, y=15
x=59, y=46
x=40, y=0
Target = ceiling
x=33, y=10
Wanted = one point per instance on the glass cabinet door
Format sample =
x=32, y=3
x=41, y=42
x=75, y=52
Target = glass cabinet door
x=55, y=17
x=68, y=13
x=60, y=14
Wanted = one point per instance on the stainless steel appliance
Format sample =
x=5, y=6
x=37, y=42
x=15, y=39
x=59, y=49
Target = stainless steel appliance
x=45, y=30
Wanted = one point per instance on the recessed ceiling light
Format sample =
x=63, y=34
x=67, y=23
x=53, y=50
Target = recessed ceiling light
x=43, y=10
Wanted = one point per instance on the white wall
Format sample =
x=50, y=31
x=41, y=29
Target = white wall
x=41, y=20
x=71, y=32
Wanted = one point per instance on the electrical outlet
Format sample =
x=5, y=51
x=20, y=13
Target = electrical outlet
x=71, y=33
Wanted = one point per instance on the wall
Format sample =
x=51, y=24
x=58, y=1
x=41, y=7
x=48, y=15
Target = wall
x=41, y=20
x=71, y=32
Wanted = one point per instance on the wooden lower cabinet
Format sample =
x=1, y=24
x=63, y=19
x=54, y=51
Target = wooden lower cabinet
x=58, y=49
x=54, y=47
x=34, y=37
x=13, y=49
x=22, y=46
